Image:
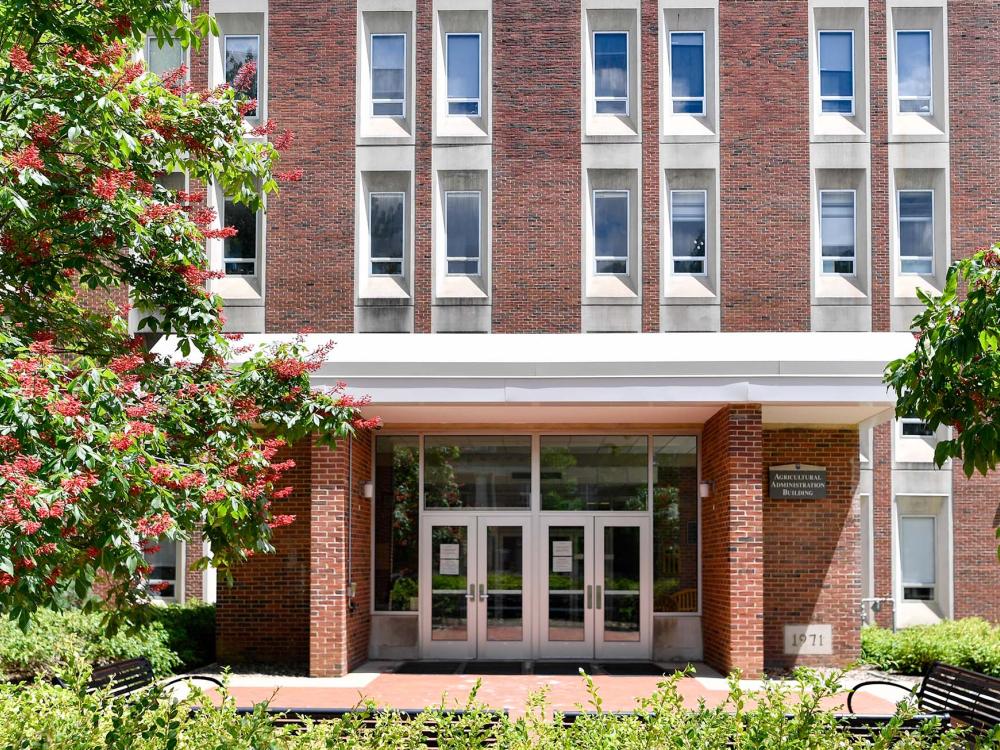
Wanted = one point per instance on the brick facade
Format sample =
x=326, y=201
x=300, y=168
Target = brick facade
x=812, y=548
x=764, y=563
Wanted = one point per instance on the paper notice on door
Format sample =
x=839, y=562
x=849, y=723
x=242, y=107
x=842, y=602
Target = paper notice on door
x=449, y=567
x=562, y=564
x=562, y=549
x=448, y=551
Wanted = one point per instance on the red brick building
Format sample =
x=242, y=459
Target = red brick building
x=682, y=238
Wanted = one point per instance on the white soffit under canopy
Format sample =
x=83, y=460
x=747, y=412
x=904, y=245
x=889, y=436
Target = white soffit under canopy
x=682, y=378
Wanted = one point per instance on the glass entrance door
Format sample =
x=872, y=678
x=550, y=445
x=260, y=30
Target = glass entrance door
x=477, y=603
x=596, y=588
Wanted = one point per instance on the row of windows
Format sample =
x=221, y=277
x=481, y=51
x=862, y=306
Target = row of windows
x=688, y=231
x=463, y=55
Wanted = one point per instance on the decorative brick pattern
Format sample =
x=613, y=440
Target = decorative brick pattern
x=812, y=551
x=732, y=541
x=649, y=25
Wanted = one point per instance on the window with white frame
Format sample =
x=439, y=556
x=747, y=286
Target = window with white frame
x=463, y=59
x=388, y=73
x=836, y=72
x=838, y=235
x=915, y=427
x=386, y=222
x=687, y=72
x=163, y=59
x=239, y=253
x=688, y=229
x=914, y=79
x=611, y=72
x=916, y=231
x=611, y=232
x=918, y=557
x=162, y=560
x=462, y=216
x=240, y=50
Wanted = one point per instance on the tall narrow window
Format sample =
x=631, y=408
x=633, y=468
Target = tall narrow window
x=463, y=61
x=611, y=72
x=386, y=212
x=916, y=231
x=162, y=559
x=837, y=231
x=687, y=72
x=836, y=72
x=462, y=229
x=917, y=557
x=611, y=231
x=913, y=72
x=162, y=60
x=396, y=523
x=239, y=51
x=388, y=75
x=688, y=230
x=239, y=253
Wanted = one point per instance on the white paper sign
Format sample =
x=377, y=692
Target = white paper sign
x=449, y=567
x=808, y=639
x=448, y=552
x=562, y=549
x=562, y=564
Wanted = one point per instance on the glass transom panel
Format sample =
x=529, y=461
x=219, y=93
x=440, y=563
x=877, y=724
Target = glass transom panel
x=594, y=472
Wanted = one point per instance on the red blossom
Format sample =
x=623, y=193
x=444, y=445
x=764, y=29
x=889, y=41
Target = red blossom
x=215, y=495
x=247, y=106
x=121, y=442
x=159, y=586
x=44, y=132
x=245, y=76
x=367, y=424
x=70, y=406
x=293, y=175
x=126, y=363
x=281, y=520
x=27, y=158
x=33, y=386
x=78, y=484
x=284, y=141
x=266, y=129
x=30, y=527
x=219, y=234
x=46, y=549
x=9, y=443
x=6, y=579
x=19, y=59
x=155, y=525
x=140, y=428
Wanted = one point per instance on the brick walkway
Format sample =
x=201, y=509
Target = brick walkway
x=565, y=693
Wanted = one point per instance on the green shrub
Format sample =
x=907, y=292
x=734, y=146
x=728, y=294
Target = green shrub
x=971, y=643
x=58, y=639
x=190, y=632
x=37, y=716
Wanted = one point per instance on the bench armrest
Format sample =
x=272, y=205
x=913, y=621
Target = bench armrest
x=193, y=677
x=856, y=688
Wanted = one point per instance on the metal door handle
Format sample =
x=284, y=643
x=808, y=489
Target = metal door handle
x=483, y=596
x=599, y=596
x=590, y=596
x=471, y=596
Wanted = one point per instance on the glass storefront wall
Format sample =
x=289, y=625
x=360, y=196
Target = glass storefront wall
x=582, y=473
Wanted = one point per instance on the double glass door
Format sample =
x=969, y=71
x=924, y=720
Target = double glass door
x=568, y=585
x=595, y=588
x=474, y=590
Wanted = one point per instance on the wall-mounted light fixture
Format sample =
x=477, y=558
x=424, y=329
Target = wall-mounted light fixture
x=705, y=489
x=368, y=490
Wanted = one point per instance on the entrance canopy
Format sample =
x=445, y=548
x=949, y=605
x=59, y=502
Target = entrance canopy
x=806, y=378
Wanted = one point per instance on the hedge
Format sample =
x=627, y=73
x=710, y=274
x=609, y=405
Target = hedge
x=972, y=643
x=71, y=719
x=176, y=638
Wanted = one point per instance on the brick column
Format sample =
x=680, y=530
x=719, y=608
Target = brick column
x=733, y=541
x=338, y=625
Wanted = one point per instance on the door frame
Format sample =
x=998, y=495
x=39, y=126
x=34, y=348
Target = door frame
x=523, y=649
x=643, y=648
x=544, y=648
x=459, y=649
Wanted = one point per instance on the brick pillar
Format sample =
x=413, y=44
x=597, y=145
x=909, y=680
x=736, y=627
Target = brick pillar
x=338, y=625
x=733, y=541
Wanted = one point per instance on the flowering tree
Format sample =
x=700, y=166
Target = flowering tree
x=952, y=377
x=105, y=448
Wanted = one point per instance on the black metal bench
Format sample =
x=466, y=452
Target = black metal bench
x=968, y=698
x=132, y=675
x=368, y=718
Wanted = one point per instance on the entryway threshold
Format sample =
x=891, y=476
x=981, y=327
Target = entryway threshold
x=545, y=668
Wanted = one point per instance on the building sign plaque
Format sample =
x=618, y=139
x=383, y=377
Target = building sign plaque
x=797, y=482
x=808, y=639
